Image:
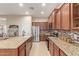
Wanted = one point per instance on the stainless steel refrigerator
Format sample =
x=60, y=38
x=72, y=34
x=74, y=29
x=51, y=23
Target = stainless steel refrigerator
x=36, y=33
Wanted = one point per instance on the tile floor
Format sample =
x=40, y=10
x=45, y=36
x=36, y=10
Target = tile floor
x=39, y=49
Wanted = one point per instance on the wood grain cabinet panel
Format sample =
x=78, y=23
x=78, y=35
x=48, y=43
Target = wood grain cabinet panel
x=51, y=48
x=43, y=25
x=43, y=37
x=58, y=19
x=65, y=16
x=62, y=53
x=56, y=50
x=9, y=52
x=22, y=50
x=28, y=46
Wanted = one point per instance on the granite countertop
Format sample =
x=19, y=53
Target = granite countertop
x=69, y=49
x=13, y=42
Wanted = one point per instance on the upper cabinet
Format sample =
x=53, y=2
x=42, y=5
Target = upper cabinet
x=65, y=16
x=75, y=15
x=58, y=19
x=50, y=22
x=54, y=19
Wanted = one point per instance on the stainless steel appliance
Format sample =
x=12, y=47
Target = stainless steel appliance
x=35, y=33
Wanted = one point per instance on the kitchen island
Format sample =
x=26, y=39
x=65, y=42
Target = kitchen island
x=58, y=47
x=16, y=46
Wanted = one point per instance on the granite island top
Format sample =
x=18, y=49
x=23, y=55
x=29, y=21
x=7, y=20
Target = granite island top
x=13, y=42
x=69, y=49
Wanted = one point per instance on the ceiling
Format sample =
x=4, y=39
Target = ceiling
x=33, y=8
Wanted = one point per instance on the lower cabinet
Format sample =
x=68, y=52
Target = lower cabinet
x=55, y=50
x=28, y=46
x=51, y=48
x=62, y=53
x=43, y=37
x=25, y=48
x=22, y=50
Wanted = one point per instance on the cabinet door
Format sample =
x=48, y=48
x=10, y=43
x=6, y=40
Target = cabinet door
x=51, y=48
x=65, y=11
x=42, y=37
x=62, y=53
x=22, y=50
x=53, y=20
x=50, y=22
x=58, y=19
x=56, y=50
x=28, y=46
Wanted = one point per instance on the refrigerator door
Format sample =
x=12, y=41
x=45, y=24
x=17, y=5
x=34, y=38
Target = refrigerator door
x=35, y=31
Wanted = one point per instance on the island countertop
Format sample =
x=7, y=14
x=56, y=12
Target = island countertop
x=69, y=49
x=13, y=42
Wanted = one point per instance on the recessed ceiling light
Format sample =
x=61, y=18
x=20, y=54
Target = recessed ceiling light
x=43, y=4
x=4, y=19
x=26, y=12
x=20, y=4
x=42, y=12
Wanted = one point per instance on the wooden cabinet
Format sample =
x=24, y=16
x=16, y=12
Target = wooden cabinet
x=50, y=23
x=61, y=17
x=42, y=37
x=62, y=53
x=55, y=50
x=65, y=16
x=52, y=20
x=28, y=46
x=9, y=52
x=22, y=49
x=75, y=16
x=43, y=25
x=25, y=48
x=58, y=19
x=51, y=48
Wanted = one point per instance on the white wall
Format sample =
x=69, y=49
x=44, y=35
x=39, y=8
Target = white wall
x=40, y=20
x=24, y=22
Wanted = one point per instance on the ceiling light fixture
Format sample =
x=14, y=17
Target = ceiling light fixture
x=20, y=4
x=43, y=4
x=42, y=12
x=27, y=13
x=4, y=19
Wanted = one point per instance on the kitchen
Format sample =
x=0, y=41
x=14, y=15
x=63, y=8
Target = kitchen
x=39, y=29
